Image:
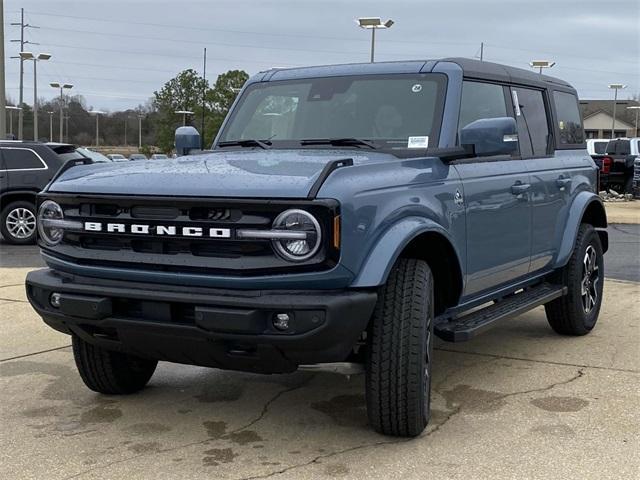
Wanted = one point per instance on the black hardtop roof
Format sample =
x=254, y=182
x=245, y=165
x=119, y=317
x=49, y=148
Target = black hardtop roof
x=472, y=68
x=489, y=70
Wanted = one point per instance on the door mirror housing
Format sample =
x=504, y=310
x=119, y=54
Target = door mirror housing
x=187, y=139
x=491, y=136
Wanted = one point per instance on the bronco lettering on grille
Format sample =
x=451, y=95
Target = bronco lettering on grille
x=159, y=230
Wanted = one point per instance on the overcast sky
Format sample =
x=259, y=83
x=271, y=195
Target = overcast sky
x=117, y=52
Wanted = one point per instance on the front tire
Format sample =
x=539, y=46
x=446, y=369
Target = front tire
x=18, y=223
x=109, y=372
x=399, y=352
x=576, y=313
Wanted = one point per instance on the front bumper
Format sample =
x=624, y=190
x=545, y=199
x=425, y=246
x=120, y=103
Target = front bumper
x=230, y=329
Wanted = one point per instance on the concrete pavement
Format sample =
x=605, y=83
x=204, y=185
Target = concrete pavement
x=517, y=402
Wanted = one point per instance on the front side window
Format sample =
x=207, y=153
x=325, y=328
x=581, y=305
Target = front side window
x=21, y=159
x=481, y=100
x=385, y=110
x=569, y=122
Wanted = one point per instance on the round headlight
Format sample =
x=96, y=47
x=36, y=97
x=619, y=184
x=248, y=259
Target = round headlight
x=301, y=249
x=50, y=210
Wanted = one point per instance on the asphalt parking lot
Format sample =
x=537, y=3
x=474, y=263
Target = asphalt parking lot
x=517, y=402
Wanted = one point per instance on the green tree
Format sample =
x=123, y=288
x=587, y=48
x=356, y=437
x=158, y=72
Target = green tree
x=184, y=92
x=220, y=98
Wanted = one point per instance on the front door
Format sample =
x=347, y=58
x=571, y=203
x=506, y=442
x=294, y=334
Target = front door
x=496, y=198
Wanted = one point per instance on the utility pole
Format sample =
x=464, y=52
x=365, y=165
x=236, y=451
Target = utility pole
x=3, y=100
x=204, y=92
x=66, y=121
x=22, y=42
x=126, y=120
x=481, y=51
x=50, y=126
x=140, y=131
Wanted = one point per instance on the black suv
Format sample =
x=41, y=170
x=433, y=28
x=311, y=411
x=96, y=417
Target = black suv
x=25, y=169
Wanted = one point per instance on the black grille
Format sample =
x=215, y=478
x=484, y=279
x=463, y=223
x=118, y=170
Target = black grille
x=232, y=256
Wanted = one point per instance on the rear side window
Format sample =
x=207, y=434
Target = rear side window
x=22, y=159
x=533, y=126
x=569, y=122
x=600, y=147
x=481, y=100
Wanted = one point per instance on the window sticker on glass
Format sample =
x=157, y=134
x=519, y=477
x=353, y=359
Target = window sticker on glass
x=516, y=103
x=418, y=142
x=417, y=88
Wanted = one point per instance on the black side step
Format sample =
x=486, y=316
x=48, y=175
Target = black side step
x=468, y=326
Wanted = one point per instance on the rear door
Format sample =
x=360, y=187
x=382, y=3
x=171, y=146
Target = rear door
x=496, y=199
x=4, y=174
x=550, y=183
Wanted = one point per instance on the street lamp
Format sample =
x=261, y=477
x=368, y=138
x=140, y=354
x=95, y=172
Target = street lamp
x=51, y=126
x=373, y=23
x=540, y=64
x=636, y=108
x=11, y=109
x=61, y=86
x=36, y=58
x=615, y=87
x=97, y=113
x=184, y=114
x=140, y=117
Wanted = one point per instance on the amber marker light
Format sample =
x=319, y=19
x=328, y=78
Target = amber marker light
x=336, y=232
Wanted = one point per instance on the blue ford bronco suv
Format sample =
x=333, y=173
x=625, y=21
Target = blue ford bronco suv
x=345, y=213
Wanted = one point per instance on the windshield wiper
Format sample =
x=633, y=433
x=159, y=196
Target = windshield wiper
x=339, y=142
x=248, y=142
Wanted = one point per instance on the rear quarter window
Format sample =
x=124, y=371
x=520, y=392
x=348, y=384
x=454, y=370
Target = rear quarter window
x=22, y=159
x=568, y=120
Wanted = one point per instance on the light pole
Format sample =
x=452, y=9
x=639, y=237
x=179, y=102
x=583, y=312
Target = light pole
x=184, y=114
x=40, y=57
x=51, y=126
x=615, y=87
x=97, y=113
x=11, y=110
x=636, y=108
x=373, y=23
x=61, y=86
x=540, y=64
x=140, y=117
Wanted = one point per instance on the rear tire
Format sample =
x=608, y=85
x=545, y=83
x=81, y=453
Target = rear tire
x=399, y=352
x=18, y=223
x=577, y=312
x=109, y=372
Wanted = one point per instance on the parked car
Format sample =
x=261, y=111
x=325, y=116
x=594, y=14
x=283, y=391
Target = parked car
x=25, y=168
x=616, y=170
x=137, y=156
x=97, y=157
x=116, y=157
x=159, y=156
x=385, y=204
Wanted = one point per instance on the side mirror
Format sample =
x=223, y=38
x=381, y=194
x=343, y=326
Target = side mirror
x=491, y=136
x=187, y=139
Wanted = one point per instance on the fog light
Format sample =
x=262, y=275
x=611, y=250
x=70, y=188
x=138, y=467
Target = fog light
x=281, y=321
x=55, y=300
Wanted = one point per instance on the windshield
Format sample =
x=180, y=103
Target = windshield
x=397, y=111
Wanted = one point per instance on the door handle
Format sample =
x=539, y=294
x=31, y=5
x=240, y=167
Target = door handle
x=520, y=188
x=563, y=182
